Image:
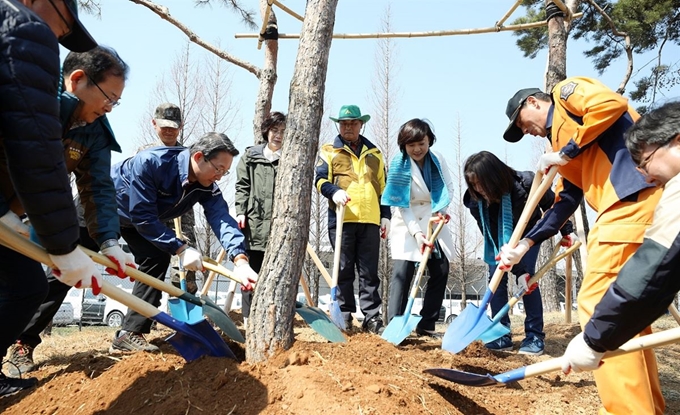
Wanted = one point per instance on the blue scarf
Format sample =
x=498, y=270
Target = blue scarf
x=504, y=228
x=398, y=188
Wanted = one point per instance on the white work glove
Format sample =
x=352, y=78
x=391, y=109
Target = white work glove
x=241, y=221
x=580, y=357
x=77, y=270
x=243, y=272
x=569, y=240
x=341, y=197
x=550, y=159
x=510, y=256
x=120, y=258
x=384, y=228
x=422, y=242
x=522, y=282
x=12, y=220
x=190, y=259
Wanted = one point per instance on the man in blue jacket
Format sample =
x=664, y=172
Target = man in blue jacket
x=30, y=143
x=157, y=185
x=88, y=142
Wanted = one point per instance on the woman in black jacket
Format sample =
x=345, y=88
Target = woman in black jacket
x=496, y=196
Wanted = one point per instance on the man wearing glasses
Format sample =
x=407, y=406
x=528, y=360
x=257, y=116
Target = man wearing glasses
x=157, y=185
x=88, y=142
x=30, y=139
x=585, y=122
x=650, y=280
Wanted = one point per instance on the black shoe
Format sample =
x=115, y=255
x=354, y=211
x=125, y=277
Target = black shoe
x=429, y=333
x=10, y=386
x=374, y=325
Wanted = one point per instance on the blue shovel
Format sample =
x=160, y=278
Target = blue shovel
x=497, y=329
x=649, y=341
x=472, y=321
x=191, y=340
x=401, y=326
x=179, y=308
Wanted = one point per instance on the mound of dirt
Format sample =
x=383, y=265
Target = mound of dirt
x=366, y=375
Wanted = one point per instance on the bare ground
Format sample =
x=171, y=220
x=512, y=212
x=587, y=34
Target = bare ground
x=366, y=375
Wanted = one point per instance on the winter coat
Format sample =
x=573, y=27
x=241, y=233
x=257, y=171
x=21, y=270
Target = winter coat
x=362, y=177
x=87, y=152
x=518, y=196
x=153, y=187
x=255, y=180
x=33, y=176
x=406, y=222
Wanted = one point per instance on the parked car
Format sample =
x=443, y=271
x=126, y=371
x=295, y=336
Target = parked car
x=64, y=315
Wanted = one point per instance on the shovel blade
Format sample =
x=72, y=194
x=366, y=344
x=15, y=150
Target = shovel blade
x=221, y=320
x=184, y=311
x=465, y=329
x=463, y=378
x=400, y=327
x=334, y=309
x=496, y=331
x=320, y=323
x=194, y=340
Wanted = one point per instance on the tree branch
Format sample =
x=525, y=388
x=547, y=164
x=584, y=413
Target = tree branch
x=164, y=13
x=629, y=49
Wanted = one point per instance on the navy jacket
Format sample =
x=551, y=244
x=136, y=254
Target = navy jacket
x=518, y=196
x=153, y=187
x=87, y=153
x=33, y=176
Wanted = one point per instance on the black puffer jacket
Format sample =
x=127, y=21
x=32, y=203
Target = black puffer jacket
x=33, y=175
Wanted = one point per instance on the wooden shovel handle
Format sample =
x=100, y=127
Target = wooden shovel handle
x=425, y=258
x=211, y=265
x=211, y=275
x=339, y=221
x=180, y=235
x=305, y=288
x=535, y=195
x=135, y=273
x=24, y=246
x=319, y=264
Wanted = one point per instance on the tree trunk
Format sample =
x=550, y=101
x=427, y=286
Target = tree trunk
x=270, y=327
x=557, y=52
x=263, y=103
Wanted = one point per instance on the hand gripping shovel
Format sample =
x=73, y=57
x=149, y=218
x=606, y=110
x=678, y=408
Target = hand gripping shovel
x=401, y=326
x=497, y=329
x=470, y=323
x=334, y=306
x=316, y=318
x=209, y=309
x=181, y=309
x=191, y=340
x=472, y=379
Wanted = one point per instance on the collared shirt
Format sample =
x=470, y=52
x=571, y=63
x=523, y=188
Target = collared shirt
x=271, y=155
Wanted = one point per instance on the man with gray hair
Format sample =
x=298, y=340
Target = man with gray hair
x=157, y=185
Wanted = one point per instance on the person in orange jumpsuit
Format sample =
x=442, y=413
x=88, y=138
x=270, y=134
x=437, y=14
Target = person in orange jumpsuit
x=585, y=122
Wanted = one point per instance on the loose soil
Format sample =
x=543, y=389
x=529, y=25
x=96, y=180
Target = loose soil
x=366, y=375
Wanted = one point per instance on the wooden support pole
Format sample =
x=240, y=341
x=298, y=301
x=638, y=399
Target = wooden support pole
x=287, y=10
x=265, y=20
x=508, y=14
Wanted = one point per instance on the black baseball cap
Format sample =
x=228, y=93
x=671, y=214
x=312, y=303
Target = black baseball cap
x=513, y=133
x=79, y=39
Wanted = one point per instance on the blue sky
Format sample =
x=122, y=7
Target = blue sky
x=440, y=78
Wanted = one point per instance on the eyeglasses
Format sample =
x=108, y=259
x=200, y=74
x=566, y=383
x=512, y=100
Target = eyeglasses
x=219, y=172
x=108, y=100
x=642, y=167
x=70, y=29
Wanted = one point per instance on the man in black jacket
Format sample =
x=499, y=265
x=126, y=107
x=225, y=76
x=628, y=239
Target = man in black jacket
x=35, y=180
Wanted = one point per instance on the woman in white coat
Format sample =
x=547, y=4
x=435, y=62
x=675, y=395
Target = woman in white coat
x=419, y=187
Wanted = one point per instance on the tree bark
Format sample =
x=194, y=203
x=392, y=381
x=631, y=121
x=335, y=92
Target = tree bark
x=270, y=327
x=268, y=77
